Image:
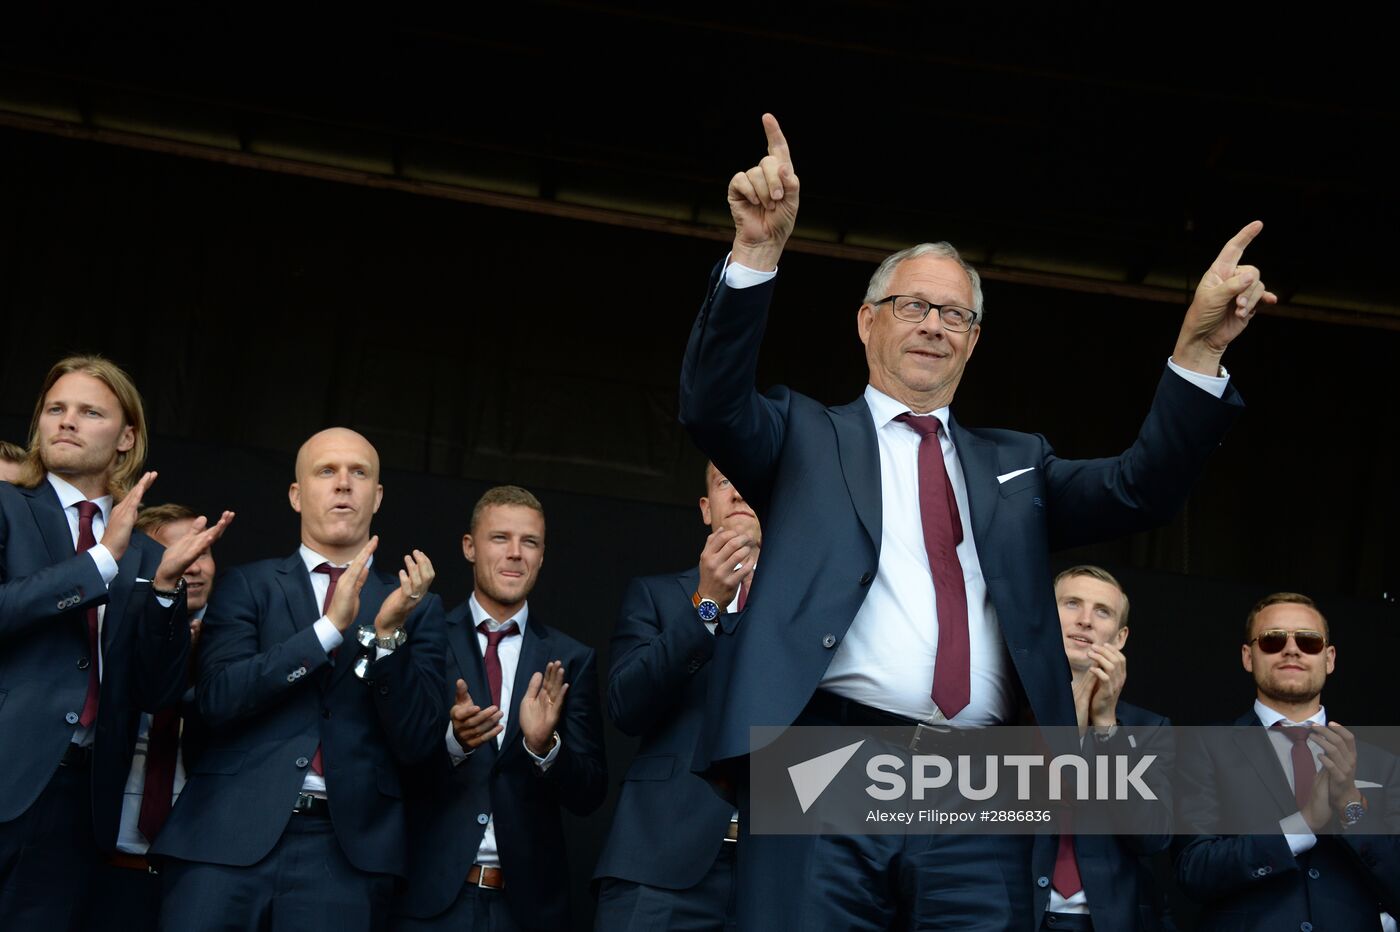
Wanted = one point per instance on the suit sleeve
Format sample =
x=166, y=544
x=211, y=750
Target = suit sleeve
x=1145, y=486
x=236, y=679
x=163, y=637
x=653, y=658
x=1143, y=826
x=408, y=686
x=1377, y=850
x=61, y=588
x=579, y=773
x=741, y=430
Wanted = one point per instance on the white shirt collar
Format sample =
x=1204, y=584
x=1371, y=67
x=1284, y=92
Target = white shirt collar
x=312, y=559
x=69, y=495
x=1269, y=717
x=884, y=409
x=479, y=615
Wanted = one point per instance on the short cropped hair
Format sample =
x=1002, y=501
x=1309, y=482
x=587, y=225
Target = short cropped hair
x=1102, y=575
x=880, y=281
x=1284, y=598
x=12, y=452
x=128, y=465
x=154, y=517
x=504, y=495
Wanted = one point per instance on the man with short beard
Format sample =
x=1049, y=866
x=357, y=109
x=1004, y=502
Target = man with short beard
x=92, y=633
x=320, y=676
x=1335, y=861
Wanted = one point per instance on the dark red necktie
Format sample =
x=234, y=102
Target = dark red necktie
x=1304, y=768
x=493, y=656
x=334, y=572
x=938, y=512
x=743, y=594
x=162, y=746
x=86, y=541
x=1066, y=880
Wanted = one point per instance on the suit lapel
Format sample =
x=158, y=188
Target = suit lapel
x=978, y=459
x=296, y=589
x=469, y=666
x=534, y=654
x=52, y=522
x=688, y=581
x=1252, y=739
x=860, y=463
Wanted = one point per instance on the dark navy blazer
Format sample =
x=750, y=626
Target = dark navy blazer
x=46, y=589
x=669, y=824
x=269, y=695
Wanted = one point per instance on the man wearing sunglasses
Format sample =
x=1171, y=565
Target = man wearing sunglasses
x=1331, y=860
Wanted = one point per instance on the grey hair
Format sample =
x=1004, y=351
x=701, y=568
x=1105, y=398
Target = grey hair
x=880, y=281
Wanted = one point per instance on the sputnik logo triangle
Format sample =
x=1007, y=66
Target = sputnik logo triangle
x=811, y=777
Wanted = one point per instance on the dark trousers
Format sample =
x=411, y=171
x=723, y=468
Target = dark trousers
x=122, y=899
x=624, y=906
x=476, y=909
x=47, y=855
x=305, y=884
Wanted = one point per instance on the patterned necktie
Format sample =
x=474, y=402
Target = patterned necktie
x=1304, y=768
x=334, y=572
x=86, y=541
x=493, y=656
x=938, y=512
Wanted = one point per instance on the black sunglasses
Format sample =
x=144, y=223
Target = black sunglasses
x=1309, y=642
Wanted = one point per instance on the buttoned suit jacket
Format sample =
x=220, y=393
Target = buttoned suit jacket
x=1118, y=883
x=450, y=805
x=269, y=695
x=669, y=824
x=1255, y=881
x=46, y=588
x=812, y=474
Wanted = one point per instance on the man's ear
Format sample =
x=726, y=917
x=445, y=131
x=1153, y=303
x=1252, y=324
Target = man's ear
x=294, y=496
x=468, y=548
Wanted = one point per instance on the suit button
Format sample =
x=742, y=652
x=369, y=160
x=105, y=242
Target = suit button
x=62, y=605
x=303, y=762
x=384, y=690
x=71, y=718
x=482, y=818
x=1314, y=873
x=865, y=578
x=83, y=663
x=1042, y=882
x=1305, y=927
x=1266, y=869
x=1050, y=920
x=829, y=641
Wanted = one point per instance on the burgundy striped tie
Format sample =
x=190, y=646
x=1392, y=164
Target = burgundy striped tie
x=493, y=656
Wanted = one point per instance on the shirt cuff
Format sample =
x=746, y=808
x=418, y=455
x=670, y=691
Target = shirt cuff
x=327, y=633
x=105, y=564
x=741, y=276
x=455, y=749
x=1215, y=384
x=548, y=759
x=1296, y=832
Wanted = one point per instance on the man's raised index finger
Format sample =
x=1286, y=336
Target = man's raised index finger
x=1234, y=250
x=777, y=142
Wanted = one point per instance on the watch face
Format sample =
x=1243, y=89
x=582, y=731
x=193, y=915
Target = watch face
x=708, y=609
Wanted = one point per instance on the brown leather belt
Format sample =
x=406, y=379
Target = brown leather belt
x=488, y=877
x=133, y=862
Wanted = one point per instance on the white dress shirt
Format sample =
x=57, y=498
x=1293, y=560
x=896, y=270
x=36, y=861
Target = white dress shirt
x=1295, y=828
x=508, y=652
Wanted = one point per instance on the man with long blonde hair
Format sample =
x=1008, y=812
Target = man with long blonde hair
x=92, y=631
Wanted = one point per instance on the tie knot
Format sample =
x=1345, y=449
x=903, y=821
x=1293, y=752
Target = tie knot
x=86, y=511
x=1295, y=733
x=334, y=572
x=494, y=637
x=926, y=426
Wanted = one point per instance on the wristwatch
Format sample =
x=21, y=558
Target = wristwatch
x=368, y=638
x=707, y=609
x=1353, y=812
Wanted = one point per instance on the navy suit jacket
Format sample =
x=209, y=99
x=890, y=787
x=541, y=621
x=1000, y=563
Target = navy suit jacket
x=812, y=474
x=669, y=824
x=1118, y=883
x=1254, y=881
x=269, y=695
x=46, y=589
x=450, y=805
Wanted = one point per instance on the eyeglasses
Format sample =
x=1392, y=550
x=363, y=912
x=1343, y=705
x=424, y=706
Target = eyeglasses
x=907, y=307
x=1309, y=642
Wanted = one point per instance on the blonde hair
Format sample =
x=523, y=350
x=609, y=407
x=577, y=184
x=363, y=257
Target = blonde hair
x=504, y=495
x=127, y=467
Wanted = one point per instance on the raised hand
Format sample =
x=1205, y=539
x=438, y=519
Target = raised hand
x=415, y=579
x=117, y=537
x=472, y=725
x=345, y=604
x=1110, y=670
x=541, y=708
x=1224, y=303
x=763, y=201
x=724, y=562
x=1339, y=762
x=183, y=552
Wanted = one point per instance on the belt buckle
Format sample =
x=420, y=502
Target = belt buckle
x=928, y=730
x=481, y=878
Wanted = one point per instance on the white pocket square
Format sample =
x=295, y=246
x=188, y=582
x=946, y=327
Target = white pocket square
x=1367, y=785
x=1012, y=475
